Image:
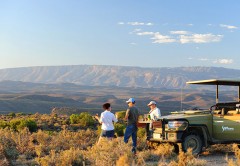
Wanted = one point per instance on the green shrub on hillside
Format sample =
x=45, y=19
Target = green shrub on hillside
x=119, y=129
x=84, y=119
x=3, y=124
x=121, y=115
x=12, y=114
x=18, y=124
x=74, y=118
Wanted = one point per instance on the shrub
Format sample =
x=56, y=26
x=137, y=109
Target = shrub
x=121, y=115
x=8, y=147
x=18, y=124
x=30, y=124
x=12, y=114
x=141, y=133
x=66, y=157
x=84, y=119
x=3, y=124
x=108, y=153
x=119, y=129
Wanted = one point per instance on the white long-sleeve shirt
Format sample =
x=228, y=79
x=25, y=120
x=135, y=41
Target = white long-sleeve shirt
x=107, y=118
x=155, y=113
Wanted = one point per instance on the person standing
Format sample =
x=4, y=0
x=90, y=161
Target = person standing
x=106, y=119
x=131, y=116
x=154, y=112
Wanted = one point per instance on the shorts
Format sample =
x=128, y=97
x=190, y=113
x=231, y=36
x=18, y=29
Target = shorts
x=107, y=133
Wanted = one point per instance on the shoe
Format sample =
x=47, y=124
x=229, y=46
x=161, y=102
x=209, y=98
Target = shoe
x=134, y=150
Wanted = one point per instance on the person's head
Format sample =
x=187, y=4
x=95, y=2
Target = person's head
x=106, y=106
x=152, y=104
x=131, y=102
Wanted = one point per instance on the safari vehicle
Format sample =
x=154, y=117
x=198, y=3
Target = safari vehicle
x=195, y=129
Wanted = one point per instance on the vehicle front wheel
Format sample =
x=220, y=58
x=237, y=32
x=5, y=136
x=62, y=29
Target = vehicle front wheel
x=194, y=142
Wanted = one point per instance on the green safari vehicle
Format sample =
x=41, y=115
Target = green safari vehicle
x=195, y=129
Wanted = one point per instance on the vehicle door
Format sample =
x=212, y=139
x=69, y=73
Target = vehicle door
x=226, y=127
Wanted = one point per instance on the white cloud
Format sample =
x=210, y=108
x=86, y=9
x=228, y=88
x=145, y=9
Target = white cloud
x=200, y=38
x=158, y=38
x=190, y=24
x=137, y=30
x=149, y=24
x=133, y=43
x=139, y=23
x=121, y=23
x=135, y=23
x=223, y=61
x=228, y=26
x=145, y=33
x=179, y=32
x=203, y=59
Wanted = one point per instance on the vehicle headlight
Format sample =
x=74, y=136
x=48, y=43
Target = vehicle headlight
x=177, y=125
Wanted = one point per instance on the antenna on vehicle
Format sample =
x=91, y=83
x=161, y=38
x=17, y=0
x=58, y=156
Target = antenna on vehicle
x=181, y=99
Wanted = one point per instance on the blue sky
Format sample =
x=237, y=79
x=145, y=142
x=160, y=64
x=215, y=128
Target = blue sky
x=145, y=33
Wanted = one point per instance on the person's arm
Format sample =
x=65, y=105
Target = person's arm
x=127, y=114
x=115, y=118
x=99, y=119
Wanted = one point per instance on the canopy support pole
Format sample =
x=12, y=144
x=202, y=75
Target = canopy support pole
x=238, y=93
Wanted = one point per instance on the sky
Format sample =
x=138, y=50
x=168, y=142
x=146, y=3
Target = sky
x=144, y=33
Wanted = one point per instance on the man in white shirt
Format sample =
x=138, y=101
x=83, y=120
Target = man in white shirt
x=155, y=112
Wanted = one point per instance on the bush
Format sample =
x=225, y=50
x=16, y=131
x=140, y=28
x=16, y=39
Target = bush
x=74, y=118
x=8, y=148
x=30, y=124
x=3, y=124
x=121, y=115
x=84, y=119
x=12, y=114
x=18, y=124
x=141, y=133
x=119, y=129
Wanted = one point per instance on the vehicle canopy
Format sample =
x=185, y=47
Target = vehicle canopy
x=217, y=82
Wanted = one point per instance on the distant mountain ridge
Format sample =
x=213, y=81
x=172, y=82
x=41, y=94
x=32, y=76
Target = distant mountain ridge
x=122, y=76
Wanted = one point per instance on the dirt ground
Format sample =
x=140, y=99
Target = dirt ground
x=217, y=159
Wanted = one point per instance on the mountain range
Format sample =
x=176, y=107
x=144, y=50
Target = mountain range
x=120, y=76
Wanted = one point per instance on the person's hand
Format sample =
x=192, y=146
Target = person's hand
x=96, y=116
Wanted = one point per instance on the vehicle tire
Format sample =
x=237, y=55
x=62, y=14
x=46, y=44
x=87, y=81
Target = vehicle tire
x=194, y=142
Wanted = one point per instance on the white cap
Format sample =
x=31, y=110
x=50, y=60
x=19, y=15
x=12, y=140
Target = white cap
x=151, y=103
x=131, y=100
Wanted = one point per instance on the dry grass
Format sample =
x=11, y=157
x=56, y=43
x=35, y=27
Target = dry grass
x=236, y=162
x=79, y=147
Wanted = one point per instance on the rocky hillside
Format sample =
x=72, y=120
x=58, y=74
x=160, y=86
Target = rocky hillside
x=121, y=76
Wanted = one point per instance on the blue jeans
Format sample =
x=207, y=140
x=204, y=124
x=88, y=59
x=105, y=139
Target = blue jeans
x=131, y=130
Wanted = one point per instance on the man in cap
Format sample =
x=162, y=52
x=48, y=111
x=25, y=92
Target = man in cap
x=131, y=116
x=154, y=112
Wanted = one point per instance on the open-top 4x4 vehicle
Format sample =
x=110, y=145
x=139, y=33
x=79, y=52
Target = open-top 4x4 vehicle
x=196, y=129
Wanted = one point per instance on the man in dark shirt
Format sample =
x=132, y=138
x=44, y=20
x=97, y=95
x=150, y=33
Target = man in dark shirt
x=131, y=116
